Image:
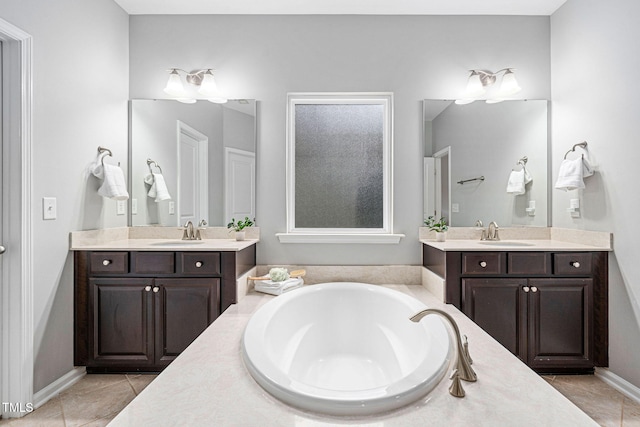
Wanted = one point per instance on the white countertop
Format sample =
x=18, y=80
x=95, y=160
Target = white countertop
x=165, y=245
x=208, y=385
x=512, y=245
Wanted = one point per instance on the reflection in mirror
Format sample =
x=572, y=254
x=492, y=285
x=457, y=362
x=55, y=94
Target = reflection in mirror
x=486, y=143
x=191, y=162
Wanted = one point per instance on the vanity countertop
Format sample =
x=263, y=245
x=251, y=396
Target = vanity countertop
x=457, y=245
x=165, y=245
x=208, y=385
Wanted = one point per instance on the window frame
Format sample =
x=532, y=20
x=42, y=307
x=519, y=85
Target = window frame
x=335, y=235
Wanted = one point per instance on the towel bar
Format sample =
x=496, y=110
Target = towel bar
x=582, y=145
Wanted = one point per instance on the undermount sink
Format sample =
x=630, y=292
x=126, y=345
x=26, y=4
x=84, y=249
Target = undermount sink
x=177, y=242
x=506, y=243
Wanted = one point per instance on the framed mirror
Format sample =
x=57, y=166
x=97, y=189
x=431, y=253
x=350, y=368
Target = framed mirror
x=485, y=144
x=191, y=162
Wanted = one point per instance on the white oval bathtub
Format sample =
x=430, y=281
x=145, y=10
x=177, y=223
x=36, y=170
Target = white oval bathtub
x=345, y=349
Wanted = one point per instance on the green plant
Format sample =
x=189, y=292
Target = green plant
x=241, y=224
x=438, y=226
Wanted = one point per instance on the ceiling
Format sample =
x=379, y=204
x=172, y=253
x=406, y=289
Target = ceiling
x=341, y=7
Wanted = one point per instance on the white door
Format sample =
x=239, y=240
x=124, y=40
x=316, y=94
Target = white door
x=429, y=187
x=193, y=176
x=240, y=184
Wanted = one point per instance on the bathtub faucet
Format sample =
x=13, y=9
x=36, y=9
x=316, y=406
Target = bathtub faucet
x=463, y=369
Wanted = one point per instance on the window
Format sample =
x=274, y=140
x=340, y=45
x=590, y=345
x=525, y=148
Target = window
x=339, y=168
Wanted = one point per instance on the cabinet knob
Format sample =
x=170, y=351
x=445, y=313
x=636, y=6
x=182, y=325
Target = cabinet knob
x=483, y=264
x=198, y=264
x=156, y=289
x=534, y=289
x=575, y=264
x=526, y=289
x=106, y=262
x=147, y=288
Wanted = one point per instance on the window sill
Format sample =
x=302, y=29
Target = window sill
x=339, y=238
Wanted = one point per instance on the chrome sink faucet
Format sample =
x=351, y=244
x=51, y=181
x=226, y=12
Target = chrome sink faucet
x=491, y=233
x=188, y=231
x=462, y=369
x=201, y=226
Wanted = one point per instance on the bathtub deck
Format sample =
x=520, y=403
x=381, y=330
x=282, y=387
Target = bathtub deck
x=208, y=385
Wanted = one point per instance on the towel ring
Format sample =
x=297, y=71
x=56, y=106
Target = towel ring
x=154, y=163
x=582, y=145
x=103, y=150
x=523, y=161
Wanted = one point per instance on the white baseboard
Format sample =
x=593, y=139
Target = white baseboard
x=64, y=382
x=620, y=384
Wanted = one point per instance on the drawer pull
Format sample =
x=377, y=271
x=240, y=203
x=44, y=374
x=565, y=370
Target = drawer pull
x=575, y=264
x=198, y=264
x=156, y=289
x=483, y=264
x=526, y=289
x=147, y=288
x=106, y=262
x=534, y=289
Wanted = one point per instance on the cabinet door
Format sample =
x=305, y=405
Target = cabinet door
x=121, y=320
x=560, y=323
x=184, y=308
x=499, y=306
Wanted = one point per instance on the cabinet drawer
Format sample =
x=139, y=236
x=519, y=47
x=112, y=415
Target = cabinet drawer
x=529, y=263
x=153, y=262
x=483, y=263
x=109, y=262
x=200, y=263
x=575, y=263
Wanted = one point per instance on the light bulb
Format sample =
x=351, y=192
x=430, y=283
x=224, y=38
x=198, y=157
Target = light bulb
x=509, y=84
x=174, y=85
x=209, y=89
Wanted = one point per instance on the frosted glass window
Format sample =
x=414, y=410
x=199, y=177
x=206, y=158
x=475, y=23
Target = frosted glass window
x=339, y=171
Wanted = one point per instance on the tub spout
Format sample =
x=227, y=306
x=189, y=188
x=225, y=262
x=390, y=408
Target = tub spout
x=463, y=369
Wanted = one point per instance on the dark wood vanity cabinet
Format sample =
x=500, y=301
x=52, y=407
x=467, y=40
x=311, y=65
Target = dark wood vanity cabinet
x=137, y=311
x=549, y=309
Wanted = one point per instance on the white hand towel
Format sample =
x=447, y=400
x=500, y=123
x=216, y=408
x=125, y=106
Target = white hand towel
x=517, y=181
x=572, y=172
x=158, y=190
x=113, y=186
x=278, y=288
x=96, y=167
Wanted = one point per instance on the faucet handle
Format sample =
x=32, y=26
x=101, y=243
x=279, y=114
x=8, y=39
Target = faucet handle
x=202, y=223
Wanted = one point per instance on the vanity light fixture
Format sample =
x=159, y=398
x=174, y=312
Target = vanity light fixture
x=480, y=79
x=202, y=78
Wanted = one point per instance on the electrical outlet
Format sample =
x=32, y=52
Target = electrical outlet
x=455, y=207
x=134, y=206
x=120, y=207
x=49, y=208
x=172, y=208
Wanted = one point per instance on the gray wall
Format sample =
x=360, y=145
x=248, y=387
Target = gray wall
x=264, y=57
x=592, y=38
x=80, y=87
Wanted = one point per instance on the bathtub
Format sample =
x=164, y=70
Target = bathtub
x=345, y=349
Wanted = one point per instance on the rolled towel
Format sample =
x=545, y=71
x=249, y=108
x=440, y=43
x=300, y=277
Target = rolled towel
x=113, y=184
x=158, y=190
x=572, y=173
x=518, y=180
x=278, y=288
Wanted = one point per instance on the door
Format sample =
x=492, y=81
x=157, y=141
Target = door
x=442, y=167
x=429, y=187
x=184, y=308
x=121, y=317
x=240, y=184
x=560, y=323
x=193, y=175
x=499, y=306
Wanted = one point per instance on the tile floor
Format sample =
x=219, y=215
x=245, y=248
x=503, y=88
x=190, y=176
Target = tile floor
x=96, y=399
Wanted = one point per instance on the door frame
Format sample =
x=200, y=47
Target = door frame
x=16, y=322
x=203, y=170
x=440, y=156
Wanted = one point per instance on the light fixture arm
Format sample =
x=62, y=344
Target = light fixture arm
x=487, y=78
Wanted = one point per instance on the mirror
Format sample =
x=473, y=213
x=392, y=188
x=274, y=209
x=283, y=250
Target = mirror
x=484, y=143
x=191, y=162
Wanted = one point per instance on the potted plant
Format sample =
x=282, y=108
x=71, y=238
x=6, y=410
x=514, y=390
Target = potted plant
x=239, y=226
x=440, y=227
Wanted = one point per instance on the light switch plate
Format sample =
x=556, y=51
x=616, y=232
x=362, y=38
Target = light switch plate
x=49, y=208
x=120, y=207
x=172, y=208
x=134, y=206
x=455, y=207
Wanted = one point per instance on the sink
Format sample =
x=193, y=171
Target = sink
x=177, y=242
x=506, y=243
